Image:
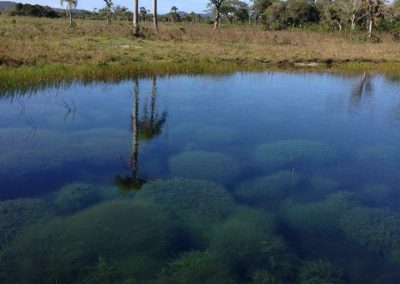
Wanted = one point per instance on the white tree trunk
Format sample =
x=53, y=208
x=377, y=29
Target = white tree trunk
x=136, y=27
x=155, y=14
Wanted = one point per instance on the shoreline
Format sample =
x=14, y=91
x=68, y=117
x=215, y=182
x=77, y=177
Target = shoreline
x=24, y=79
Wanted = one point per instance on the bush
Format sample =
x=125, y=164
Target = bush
x=64, y=248
x=199, y=204
x=319, y=271
x=291, y=153
x=209, y=166
x=74, y=197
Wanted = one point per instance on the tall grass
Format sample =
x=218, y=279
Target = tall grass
x=40, y=52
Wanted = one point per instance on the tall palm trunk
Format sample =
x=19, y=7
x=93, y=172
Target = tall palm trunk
x=135, y=130
x=155, y=20
x=136, y=28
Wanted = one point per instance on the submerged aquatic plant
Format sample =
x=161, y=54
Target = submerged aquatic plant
x=63, y=248
x=268, y=191
x=318, y=217
x=18, y=214
x=74, y=197
x=377, y=229
x=203, y=165
x=199, y=204
x=291, y=153
x=319, y=271
x=238, y=242
x=197, y=267
x=319, y=187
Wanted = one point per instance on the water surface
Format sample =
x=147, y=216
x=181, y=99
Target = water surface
x=245, y=178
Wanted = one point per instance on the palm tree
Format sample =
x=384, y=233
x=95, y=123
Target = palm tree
x=71, y=4
x=143, y=129
x=136, y=28
x=155, y=20
x=143, y=14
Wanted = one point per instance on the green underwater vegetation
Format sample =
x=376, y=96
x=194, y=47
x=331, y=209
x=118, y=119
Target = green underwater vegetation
x=377, y=153
x=376, y=194
x=17, y=214
x=376, y=229
x=293, y=153
x=199, y=204
x=212, y=166
x=75, y=197
x=319, y=272
x=319, y=187
x=322, y=217
x=197, y=267
x=268, y=191
x=61, y=250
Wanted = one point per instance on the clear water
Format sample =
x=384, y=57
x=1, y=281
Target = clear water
x=246, y=178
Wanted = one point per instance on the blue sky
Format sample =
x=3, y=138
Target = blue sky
x=197, y=6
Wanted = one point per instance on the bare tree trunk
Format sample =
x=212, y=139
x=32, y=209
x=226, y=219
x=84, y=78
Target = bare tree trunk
x=340, y=27
x=353, y=22
x=155, y=16
x=70, y=16
x=370, y=26
x=136, y=28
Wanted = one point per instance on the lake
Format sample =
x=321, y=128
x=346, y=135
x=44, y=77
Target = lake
x=244, y=178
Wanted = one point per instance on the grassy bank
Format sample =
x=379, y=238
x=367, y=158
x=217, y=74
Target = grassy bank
x=42, y=51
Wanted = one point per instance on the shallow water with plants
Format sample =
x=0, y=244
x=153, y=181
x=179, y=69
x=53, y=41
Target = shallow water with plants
x=245, y=178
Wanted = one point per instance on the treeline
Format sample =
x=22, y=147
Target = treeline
x=325, y=14
x=32, y=11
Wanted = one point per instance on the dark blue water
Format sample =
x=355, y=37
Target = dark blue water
x=245, y=178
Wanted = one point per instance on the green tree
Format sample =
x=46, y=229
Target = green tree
x=143, y=14
x=108, y=9
x=215, y=6
x=259, y=7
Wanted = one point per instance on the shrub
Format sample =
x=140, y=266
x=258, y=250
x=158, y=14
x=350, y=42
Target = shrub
x=75, y=197
x=283, y=153
x=210, y=166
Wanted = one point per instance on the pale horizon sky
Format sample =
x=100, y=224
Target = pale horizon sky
x=197, y=6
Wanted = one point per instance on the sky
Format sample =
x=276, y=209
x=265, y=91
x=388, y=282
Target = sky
x=197, y=6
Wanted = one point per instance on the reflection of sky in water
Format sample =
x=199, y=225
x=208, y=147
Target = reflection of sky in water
x=93, y=143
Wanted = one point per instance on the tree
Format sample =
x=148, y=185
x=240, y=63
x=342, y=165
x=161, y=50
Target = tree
x=173, y=15
x=374, y=10
x=71, y=4
x=215, y=6
x=259, y=7
x=108, y=9
x=143, y=14
x=136, y=27
x=276, y=15
x=334, y=15
x=301, y=12
x=155, y=19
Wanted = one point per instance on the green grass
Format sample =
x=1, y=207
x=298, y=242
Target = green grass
x=36, y=53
